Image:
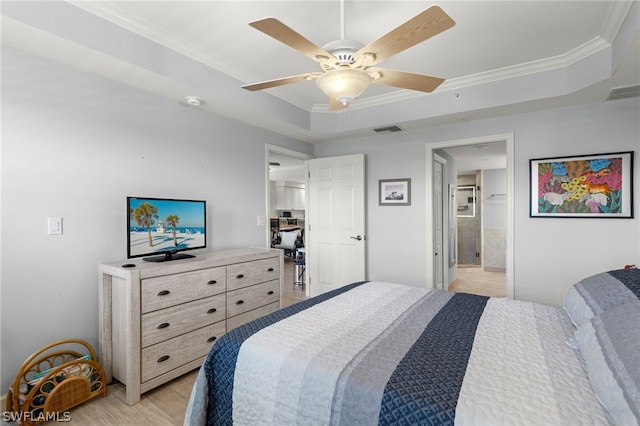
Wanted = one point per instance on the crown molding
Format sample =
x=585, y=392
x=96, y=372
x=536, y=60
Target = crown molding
x=111, y=12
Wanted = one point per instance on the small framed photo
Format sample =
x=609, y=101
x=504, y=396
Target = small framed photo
x=591, y=186
x=394, y=192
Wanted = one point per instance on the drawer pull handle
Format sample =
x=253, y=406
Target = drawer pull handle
x=211, y=339
x=164, y=293
x=270, y=292
x=270, y=270
x=239, y=276
x=163, y=358
x=239, y=302
x=163, y=325
x=212, y=310
x=212, y=282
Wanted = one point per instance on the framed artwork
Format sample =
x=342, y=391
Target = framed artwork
x=584, y=186
x=394, y=192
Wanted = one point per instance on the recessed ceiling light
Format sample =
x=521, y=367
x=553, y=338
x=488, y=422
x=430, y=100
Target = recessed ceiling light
x=480, y=146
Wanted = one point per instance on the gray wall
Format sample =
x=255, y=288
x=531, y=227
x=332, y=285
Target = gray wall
x=74, y=146
x=550, y=254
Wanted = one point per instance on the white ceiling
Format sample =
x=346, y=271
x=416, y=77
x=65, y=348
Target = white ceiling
x=501, y=57
x=483, y=156
x=286, y=168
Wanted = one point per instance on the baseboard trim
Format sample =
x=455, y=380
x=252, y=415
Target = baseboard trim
x=494, y=269
x=453, y=285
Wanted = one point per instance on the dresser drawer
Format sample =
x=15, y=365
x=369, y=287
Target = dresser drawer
x=171, y=322
x=169, y=290
x=238, y=320
x=248, y=298
x=171, y=354
x=245, y=274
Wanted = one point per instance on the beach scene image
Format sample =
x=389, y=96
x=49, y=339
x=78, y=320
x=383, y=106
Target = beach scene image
x=158, y=226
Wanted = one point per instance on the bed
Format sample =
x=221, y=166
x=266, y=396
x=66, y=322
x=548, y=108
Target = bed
x=391, y=354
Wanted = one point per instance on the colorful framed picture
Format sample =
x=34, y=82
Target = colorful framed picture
x=585, y=186
x=394, y=192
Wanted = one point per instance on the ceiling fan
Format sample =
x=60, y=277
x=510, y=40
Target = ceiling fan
x=348, y=67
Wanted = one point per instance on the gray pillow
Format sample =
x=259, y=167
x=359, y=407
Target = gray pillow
x=595, y=294
x=610, y=346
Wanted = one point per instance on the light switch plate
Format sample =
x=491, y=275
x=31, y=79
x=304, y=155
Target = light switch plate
x=55, y=225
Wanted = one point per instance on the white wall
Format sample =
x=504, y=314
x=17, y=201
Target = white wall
x=550, y=254
x=74, y=146
x=494, y=201
x=494, y=219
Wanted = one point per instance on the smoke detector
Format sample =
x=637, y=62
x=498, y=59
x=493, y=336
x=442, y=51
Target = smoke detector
x=194, y=100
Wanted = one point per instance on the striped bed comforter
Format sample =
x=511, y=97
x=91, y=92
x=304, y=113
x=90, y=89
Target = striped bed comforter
x=382, y=353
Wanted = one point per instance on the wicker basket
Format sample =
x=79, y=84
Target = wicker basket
x=53, y=380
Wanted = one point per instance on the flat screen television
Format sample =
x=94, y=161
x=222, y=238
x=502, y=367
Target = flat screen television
x=165, y=227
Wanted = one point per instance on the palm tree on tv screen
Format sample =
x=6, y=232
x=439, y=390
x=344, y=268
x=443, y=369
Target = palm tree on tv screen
x=146, y=215
x=172, y=221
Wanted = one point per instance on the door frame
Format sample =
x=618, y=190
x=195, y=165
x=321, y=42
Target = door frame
x=444, y=215
x=268, y=148
x=508, y=139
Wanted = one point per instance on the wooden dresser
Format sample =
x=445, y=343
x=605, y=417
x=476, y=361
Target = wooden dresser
x=159, y=320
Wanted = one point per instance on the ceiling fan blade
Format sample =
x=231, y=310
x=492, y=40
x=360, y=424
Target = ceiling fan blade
x=276, y=29
x=281, y=81
x=405, y=80
x=429, y=23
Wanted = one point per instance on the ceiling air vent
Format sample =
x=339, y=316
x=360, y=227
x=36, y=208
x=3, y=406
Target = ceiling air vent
x=624, y=92
x=388, y=129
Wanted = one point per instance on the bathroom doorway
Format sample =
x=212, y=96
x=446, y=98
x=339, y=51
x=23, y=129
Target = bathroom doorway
x=469, y=225
x=482, y=201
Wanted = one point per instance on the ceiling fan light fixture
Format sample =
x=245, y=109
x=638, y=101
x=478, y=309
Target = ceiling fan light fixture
x=344, y=84
x=347, y=63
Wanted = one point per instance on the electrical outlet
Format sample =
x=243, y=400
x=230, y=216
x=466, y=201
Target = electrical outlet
x=372, y=277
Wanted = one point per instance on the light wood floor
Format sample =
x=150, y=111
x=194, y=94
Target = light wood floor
x=167, y=404
x=290, y=293
x=475, y=280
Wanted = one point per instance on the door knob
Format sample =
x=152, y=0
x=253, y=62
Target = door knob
x=359, y=238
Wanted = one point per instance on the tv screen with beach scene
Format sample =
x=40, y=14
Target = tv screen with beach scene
x=165, y=227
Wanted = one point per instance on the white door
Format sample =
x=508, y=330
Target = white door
x=336, y=222
x=438, y=225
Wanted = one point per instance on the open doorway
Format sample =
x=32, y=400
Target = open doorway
x=286, y=210
x=478, y=182
x=480, y=223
